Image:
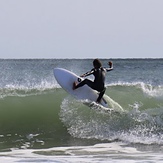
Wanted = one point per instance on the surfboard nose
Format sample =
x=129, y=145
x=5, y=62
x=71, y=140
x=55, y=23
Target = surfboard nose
x=56, y=71
x=64, y=77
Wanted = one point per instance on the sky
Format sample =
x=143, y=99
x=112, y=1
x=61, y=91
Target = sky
x=81, y=29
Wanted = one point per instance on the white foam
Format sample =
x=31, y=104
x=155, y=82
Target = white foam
x=153, y=91
x=27, y=90
x=105, y=152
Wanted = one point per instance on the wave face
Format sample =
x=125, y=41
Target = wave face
x=141, y=121
x=35, y=111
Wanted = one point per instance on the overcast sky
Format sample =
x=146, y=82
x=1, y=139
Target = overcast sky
x=81, y=28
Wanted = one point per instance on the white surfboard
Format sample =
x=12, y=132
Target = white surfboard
x=66, y=79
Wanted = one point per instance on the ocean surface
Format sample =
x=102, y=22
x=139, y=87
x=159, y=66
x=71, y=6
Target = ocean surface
x=40, y=122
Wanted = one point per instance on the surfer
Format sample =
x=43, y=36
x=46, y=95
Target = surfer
x=99, y=81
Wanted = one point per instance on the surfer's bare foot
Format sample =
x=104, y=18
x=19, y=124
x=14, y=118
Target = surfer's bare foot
x=74, y=86
x=98, y=101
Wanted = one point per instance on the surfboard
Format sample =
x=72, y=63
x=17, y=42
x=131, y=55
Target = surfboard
x=66, y=79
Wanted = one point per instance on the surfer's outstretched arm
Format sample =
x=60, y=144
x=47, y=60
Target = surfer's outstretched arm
x=87, y=73
x=111, y=66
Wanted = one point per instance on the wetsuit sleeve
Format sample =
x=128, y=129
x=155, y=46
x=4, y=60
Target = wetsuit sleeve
x=109, y=69
x=87, y=73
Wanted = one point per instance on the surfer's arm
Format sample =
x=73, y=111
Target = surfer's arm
x=87, y=73
x=111, y=66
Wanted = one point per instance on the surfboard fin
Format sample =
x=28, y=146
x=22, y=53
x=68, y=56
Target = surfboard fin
x=104, y=100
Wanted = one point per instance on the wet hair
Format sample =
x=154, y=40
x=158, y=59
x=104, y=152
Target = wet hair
x=97, y=63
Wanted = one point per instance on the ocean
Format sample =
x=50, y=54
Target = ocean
x=40, y=122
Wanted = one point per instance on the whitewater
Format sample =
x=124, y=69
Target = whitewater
x=40, y=122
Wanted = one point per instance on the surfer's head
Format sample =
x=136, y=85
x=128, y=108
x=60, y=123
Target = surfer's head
x=97, y=63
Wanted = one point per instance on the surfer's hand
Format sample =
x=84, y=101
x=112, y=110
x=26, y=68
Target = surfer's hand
x=110, y=64
x=82, y=75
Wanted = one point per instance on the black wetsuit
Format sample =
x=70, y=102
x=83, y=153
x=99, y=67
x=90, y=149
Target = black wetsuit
x=99, y=81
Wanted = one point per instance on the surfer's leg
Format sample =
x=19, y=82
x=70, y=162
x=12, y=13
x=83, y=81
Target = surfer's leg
x=74, y=86
x=100, y=95
x=85, y=81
